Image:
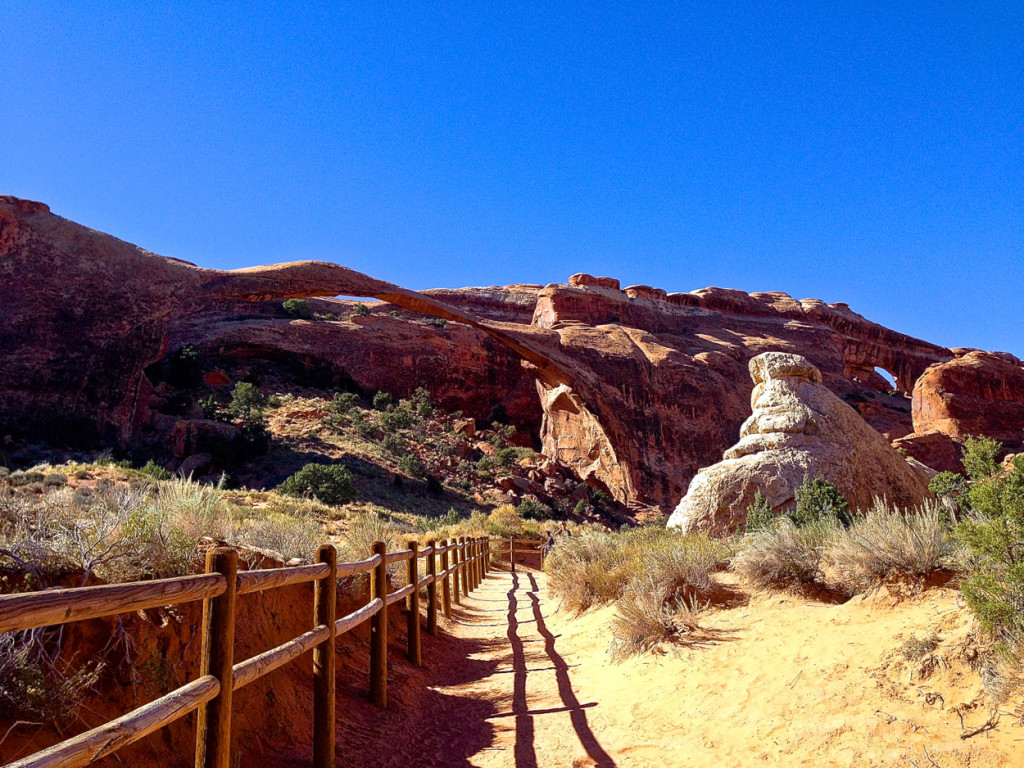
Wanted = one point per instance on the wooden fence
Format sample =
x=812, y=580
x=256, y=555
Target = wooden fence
x=463, y=565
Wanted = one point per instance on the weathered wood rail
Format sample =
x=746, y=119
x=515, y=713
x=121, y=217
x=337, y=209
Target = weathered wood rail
x=464, y=563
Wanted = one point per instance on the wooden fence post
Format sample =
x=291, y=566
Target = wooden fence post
x=379, y=630
x=478, y=552
x=213, y=732
x=512, y=552
x=456, y=555
x=464, y=566
x=325, y=599
x=413, y=607
x=446, y=592
x=487, y=555
x=470, y=565
x=432, y=589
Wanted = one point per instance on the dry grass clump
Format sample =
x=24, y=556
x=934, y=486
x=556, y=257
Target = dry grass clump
x=666, y=593
x=657, y=579
x=127, y=532
x=33, y=685
x=785, y=554
x=588, y=570
x=889, y=543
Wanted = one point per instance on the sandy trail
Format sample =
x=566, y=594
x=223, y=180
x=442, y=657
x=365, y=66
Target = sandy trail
x=784, y=681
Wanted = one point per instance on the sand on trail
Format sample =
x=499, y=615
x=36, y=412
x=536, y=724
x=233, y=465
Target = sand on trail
x=776, y=680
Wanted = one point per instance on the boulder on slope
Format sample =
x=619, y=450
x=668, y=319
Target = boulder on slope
x=798, y=429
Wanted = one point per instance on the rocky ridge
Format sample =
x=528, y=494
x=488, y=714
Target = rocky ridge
x=633, y=390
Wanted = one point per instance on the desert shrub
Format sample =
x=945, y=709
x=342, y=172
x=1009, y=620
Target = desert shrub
x=948, y=484
x=580, y=510
x=248, y=404
x=361, y=310
x=55, y=480
x=394, y=444
x=382, y=400
x=20, y=479
x=506, y=457
x=434, y=486
x=980, y=457
x=327, y=483
x=210, y=408
x=155, y=471
x=119, y=533
x=818, y=499
x=344, y=402
x=421, y=403
x=915, y=648
x=785, y=554
x=588, y=570
x=412, y=465
x=297, y=309
x=363, y=531
x=760, y=514
x=33, y=686
x=889, y=543
x=504, y=522
x=529, y=509
x=992, y=531
x=365, y=428
x=644, y=619
x=290, y=537
x=395, y=418
x=597, y=568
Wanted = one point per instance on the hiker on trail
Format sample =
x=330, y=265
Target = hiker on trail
x=550, y=543
x=564, y=530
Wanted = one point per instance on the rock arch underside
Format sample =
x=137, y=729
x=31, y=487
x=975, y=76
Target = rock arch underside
x=633, y=389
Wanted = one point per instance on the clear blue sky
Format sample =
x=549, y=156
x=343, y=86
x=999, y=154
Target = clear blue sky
x=866, y=152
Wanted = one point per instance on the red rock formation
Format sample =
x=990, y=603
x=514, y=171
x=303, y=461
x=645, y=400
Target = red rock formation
x=660, y=385
x=639, y=388
x=977, y=393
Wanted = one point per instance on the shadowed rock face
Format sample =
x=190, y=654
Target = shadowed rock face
x=82, y=314
x=798, y=429
x=639, y=388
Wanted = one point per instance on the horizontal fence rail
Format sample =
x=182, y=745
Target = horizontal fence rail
x=453, y=568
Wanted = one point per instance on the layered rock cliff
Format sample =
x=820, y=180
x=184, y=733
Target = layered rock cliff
x=634, y=390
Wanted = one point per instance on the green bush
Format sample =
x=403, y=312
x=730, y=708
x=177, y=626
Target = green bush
x=154, y=470
x=382, y=400
x=981, y=457
x=329, y=484
x=362, y=310
x=210, y=409
x=344, y=402
x=760, y=514
x=394, y=418
x=421, y=402
x=411, y=465
x=818, y=499
x=394, y=444
x=529, y=509
x=297, y=309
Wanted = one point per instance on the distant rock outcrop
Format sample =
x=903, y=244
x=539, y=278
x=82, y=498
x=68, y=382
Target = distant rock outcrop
x=798, y=429
x=977, y=393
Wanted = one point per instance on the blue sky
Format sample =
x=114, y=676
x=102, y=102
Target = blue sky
x=871, y=153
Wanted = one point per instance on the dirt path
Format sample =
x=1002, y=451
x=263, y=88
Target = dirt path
x=786, y=681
